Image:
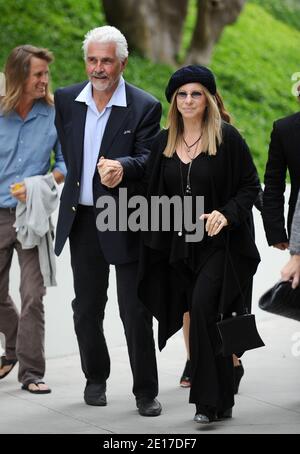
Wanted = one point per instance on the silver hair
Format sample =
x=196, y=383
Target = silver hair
x=107, y=34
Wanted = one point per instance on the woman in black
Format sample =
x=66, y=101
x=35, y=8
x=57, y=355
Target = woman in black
x=200, y=155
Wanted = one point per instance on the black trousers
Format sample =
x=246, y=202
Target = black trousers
x=91, y=273
x=212, y=387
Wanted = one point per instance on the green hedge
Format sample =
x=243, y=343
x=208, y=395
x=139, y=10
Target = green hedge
x=253, y=61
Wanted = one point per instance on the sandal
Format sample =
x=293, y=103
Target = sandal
x=7, y=362
x=36, y=391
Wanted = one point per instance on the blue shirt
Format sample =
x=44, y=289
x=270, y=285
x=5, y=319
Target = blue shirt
x=94, y=129
x=25, y=148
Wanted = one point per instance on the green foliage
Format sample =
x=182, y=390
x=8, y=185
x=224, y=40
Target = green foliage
x=56, y=24
x=287, y=11
x=253, y=61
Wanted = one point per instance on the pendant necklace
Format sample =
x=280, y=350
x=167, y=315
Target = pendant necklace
x=188, y=188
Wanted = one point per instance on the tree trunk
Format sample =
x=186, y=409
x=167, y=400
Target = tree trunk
x=212, y=17
x=152, y=27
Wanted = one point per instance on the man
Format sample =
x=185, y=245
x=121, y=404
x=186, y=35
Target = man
x=283, y=154
x=27, y=138
x=108, y=118
x=291, y=270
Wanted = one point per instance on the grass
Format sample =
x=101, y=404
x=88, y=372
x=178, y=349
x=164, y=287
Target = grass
x=253, y=61
x=287, y=11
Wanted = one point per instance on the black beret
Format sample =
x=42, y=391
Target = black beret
x=189, y=74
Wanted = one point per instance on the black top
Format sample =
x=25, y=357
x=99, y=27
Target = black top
x=284, y=154
x=163, y=278
x=175, y=174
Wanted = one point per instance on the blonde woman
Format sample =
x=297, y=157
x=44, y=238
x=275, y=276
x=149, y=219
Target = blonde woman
x=200, y=155
x=185, y=379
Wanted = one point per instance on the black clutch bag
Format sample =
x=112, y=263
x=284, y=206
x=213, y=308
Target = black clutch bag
x=239, y=334
x=282, y=299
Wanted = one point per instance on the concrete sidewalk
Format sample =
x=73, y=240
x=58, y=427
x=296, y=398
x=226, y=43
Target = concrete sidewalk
x=268, y=402
x=269, y=399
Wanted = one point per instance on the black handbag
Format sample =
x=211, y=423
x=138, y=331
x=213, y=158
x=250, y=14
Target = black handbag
x=238, y=333
x=282, y=300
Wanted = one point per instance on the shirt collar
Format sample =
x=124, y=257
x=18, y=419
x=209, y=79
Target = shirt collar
x=38, y=108
x=118, y=98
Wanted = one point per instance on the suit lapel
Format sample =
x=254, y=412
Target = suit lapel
x=79, y=110
x=114, y=124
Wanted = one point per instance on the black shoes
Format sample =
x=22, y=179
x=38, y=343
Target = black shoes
x=185, y=380
x=205, y=414
x=94, y=394
x=201, y=419
x=238, y=373
x=148, y=407
x=226, y=414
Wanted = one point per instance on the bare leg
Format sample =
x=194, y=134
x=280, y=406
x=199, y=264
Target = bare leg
x=236, y=361
x=185, y=381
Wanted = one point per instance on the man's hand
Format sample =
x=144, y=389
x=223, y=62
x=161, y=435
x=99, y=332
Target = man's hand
x=110, y=172
x=58, y=177
x=291, y=271
x=281, y=246
x=215, y=221
x=18, y=190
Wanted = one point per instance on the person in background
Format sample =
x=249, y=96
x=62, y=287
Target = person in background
x=27, y=138
x=200, y=155
x=283, y=155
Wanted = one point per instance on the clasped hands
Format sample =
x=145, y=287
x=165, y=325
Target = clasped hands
x=110, y=172
x=215, y=221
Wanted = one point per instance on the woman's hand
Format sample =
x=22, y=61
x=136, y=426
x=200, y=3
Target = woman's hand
x=215, y=221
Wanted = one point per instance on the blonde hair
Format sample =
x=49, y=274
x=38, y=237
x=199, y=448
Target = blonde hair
x=225, y=115
x=17, y=70
x=211, y=126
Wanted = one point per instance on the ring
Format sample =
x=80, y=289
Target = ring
x=219, y=222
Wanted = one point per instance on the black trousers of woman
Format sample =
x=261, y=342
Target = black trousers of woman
x=91, y=273
x=212, y=388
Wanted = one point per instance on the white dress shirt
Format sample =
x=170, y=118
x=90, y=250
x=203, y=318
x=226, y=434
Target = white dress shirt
x=94, y=129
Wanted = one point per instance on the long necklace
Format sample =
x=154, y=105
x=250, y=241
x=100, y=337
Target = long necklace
x=188, y=188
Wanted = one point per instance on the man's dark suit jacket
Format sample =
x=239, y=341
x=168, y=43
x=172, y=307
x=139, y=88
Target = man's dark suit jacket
x=128, y=135
x=284, y=153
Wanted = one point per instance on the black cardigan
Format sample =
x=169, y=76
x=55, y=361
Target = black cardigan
x=163, y=282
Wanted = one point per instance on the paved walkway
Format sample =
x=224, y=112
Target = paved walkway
x=268, y=402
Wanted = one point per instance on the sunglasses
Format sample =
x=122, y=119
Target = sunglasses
x=182, y=95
